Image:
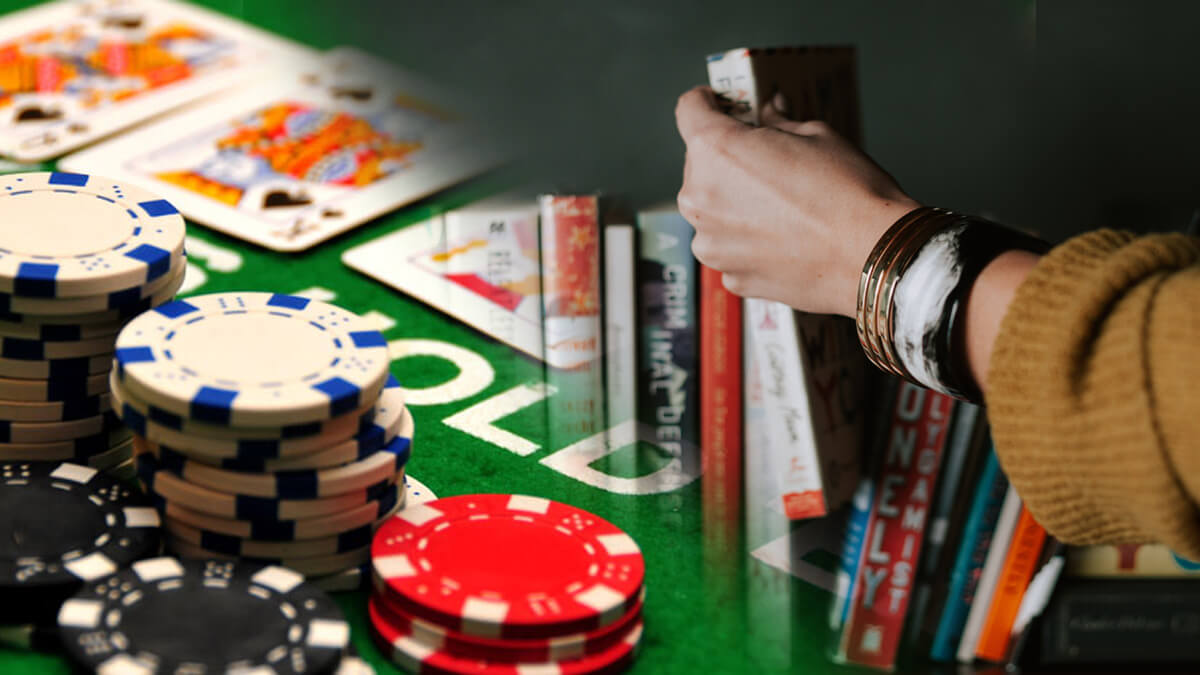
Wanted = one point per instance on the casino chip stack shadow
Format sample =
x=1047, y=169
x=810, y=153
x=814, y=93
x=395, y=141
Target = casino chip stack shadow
x=267, y=428
x=79, y=256
x=495, y=583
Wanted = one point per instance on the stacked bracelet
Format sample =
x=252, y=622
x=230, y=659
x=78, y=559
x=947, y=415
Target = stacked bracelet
x=913, y=293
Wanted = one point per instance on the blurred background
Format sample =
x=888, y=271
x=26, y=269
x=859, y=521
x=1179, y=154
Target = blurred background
x=1056, y=115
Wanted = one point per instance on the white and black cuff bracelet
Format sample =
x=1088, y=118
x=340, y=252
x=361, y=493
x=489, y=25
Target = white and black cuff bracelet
x=914, y=290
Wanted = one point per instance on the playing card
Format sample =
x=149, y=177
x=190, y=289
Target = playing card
x=479, y=264
x=72, y=72
x=289, y=163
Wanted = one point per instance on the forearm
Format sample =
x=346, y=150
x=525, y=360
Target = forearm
x=990, y=297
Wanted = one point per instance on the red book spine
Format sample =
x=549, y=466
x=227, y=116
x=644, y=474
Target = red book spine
x=720, y=408
x=895, y=531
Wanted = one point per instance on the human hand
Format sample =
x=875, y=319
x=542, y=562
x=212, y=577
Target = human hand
x=788, y=211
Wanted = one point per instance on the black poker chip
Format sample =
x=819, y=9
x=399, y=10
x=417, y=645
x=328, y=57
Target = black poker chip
x=165, y=615
x=63, y=525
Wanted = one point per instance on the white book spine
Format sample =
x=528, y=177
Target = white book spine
x=620, y=324
x=990, y=575
x=777, y=351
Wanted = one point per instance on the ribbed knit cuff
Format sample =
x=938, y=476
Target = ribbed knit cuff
x=1070, y=394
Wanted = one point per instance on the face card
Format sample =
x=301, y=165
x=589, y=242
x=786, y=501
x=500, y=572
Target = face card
x=75, y=71
x=479, y=264
x=290, y=163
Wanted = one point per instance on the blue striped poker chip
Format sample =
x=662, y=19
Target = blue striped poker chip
x=252, y=359
x=364, y=434
x=172, y=488
x=299, y=484
x=102, y=302
x=65, y=235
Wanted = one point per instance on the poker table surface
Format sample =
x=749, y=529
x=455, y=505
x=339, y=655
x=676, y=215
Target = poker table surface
x=714, y=604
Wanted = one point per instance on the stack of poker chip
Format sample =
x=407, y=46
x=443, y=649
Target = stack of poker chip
x=166, y=615
x=63, y=525
x=266, y=426
x=79, y=256
x=497, y=583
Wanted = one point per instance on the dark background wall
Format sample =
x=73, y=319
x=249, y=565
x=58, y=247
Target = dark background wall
x=1059, y=115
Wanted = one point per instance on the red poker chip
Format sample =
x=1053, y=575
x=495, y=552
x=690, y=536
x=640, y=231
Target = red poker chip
x=507, y=651
x=507, y=566
x=415, y=656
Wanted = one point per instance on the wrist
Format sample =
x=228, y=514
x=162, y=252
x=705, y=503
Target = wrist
x=987, y=303
x=871, y=226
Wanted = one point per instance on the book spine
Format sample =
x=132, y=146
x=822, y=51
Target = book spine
x=909, y=470
x=668, y=385
x=972, y=553
x=777, y=348
x=835, y=370
x=620, y=324
x=1105, y=623
x=950, y=486
x=857, y=522
x=1017, y=572
x=720, y=401
x=989, y=577
x=571, y=319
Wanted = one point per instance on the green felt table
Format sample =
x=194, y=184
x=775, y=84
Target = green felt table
x=706, y=611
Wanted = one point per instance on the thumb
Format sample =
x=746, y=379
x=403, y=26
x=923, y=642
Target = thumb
x=698, y=110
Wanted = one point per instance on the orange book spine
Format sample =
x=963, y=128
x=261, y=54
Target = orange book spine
x=1019, y=567
x=720, y=404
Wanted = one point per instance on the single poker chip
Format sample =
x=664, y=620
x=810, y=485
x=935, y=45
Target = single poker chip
x=56, y=369
x=58, y=389
x=320, y=434
x=55, y=411
x=352, y=579
x=252, y=359
x=34, y=349
x=69, y=234
x=415, y=656
x=560, y=648
x=217, y=528
x=120, y=314
x=347, y=451
x=247, y=507
x=302, y=483
x=118, y=454
x=165, y=615
x=44, y=432
x=77, y=449
x=565, y=570
x=64, y=524
x=416, y=492
x=114, y=300
x=308, y=566
x=367, y=438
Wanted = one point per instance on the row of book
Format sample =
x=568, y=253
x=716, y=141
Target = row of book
x=942, y=561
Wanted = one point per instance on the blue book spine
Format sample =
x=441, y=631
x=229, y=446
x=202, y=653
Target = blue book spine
x=852, y=549
x=972, y=552
x=668, y=395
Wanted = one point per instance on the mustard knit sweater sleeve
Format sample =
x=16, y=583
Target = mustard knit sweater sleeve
x=1093, y=390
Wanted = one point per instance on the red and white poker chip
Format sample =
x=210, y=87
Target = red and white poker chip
x=507, y=566
x=415, y=656
x=530, y=650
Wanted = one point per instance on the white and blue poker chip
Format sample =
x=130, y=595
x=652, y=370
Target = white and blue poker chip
x=252, y=359
x=249, y=507
x=69, y=235
x=49, y=308
x=363, y=434
x=370, y=513
x=172, y=616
